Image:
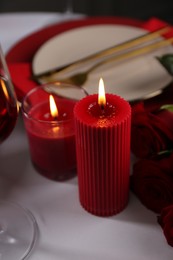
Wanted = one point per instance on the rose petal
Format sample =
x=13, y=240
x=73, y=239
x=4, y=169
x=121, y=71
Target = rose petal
x=152, y=185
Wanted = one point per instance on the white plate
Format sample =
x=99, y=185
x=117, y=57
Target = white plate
x=134, y=79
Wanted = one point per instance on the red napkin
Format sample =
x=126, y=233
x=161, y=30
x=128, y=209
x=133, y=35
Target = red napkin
x=20, y=67
x=20, y=74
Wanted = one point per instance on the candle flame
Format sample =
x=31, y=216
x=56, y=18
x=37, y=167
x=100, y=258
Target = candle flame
x=101, y=96
x=53, y=107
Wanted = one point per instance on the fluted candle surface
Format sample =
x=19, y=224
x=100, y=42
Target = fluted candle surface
x=103, y=153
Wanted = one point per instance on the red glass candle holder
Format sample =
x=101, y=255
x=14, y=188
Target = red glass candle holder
x=51, y=140
x=103, y=154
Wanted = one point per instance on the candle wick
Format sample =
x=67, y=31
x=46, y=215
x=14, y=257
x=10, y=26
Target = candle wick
x=55, y=118
x=102, y=107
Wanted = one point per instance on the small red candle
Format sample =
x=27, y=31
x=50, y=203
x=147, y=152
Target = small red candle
x=103, y=126
x=49, y=124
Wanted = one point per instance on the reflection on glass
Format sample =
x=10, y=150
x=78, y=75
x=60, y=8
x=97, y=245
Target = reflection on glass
x=18, y=228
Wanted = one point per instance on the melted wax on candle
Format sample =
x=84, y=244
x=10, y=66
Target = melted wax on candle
x=101, y=112
x=42, y=113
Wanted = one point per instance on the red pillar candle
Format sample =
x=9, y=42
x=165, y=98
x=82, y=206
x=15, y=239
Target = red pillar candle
x=51, y=136
x=103, y=153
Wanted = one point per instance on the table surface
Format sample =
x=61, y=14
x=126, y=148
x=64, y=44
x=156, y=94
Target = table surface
x=66, y=230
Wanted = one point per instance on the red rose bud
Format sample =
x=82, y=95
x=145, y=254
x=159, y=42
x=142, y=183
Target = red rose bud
x=151, y=132
x=152, y=182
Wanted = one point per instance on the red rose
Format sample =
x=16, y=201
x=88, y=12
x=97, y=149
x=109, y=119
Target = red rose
x=166, y=222
x=152, y=182
x=152, y=132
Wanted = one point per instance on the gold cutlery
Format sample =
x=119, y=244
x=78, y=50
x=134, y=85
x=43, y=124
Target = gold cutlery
x=80, y=78
x=112, y=50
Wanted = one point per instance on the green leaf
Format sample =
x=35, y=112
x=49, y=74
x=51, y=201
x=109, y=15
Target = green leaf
x=167, y=62
x=168, y=107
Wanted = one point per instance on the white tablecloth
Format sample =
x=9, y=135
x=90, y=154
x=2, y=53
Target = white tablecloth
x=66, y=230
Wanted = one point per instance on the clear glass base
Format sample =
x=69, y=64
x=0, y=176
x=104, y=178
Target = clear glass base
x=18, y=231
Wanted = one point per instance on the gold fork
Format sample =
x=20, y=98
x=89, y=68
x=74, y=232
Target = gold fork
x=80, y=78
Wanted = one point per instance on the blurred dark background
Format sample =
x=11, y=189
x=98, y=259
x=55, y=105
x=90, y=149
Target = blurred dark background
x=139, y=9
